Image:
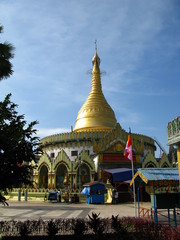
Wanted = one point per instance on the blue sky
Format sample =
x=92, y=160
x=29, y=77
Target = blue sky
x=139, y=46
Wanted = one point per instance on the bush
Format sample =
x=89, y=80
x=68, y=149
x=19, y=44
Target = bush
x=24, y=228
x=52, y=228
x=169, y=233
x=119, y=228
x=147, y=230
x=96, y=224
x=93, y=228
x=79, y=226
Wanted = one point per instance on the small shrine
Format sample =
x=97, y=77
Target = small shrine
x=163, y=186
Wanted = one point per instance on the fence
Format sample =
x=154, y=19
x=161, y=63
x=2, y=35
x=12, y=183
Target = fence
x=164, y=216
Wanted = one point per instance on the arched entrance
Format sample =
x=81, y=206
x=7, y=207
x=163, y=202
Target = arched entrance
x=43, y=177
x=83, y=175
x=165, y=165
x=60, y=175
x=150, y=165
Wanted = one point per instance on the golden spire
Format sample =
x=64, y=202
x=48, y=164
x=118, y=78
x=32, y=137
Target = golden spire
x=95, y=114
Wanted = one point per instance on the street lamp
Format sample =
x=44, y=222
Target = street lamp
x=80, y=163
x=52, y=159
x=71, y=175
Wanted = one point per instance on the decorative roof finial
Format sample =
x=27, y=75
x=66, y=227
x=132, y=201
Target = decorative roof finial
x=95, y=45
x=96, y=57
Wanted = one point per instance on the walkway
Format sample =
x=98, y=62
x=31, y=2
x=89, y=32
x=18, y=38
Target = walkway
x=47, y=210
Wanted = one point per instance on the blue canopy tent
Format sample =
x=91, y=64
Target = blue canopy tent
x=120, y=174
x=120, y=179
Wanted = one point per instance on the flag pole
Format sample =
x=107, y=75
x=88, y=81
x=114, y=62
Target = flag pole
x=134, y=193
x=129, y=155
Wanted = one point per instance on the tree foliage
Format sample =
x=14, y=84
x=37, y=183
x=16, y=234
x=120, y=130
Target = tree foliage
x=6, y=54
x=18, y=146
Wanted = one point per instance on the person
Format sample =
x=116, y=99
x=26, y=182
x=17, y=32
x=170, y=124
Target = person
x=116, y=196
x=3, y=200
x=113, y=197
x=59, y=196
x=45, y=197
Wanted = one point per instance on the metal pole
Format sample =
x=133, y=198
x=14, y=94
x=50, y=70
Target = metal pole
x=19, y=195
x=169, y=217
x=135, y=212
x=80, y=177
x=155, y=209
x=51, y=173
x=26, y=195
x=175, y=220
x=71, y=175
x=138, y=201
x=52, y=159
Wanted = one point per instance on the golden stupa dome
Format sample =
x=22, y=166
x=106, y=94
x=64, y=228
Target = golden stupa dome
x=95, y=114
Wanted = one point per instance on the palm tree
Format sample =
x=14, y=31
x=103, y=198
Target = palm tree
x=6, y=53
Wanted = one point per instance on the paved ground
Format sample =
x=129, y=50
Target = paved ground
x=47, y=210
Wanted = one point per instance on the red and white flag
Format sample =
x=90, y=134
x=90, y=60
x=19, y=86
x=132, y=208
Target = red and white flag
x=128, y=149
x=128, y=154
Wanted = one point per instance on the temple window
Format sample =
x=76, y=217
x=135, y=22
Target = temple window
x=74, y=153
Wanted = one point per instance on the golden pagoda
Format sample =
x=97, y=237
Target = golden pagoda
x=97, y=143
x=95, y=114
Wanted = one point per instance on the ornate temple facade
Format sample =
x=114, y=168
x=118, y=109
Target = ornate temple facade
x=96, y=143
x=173, y=135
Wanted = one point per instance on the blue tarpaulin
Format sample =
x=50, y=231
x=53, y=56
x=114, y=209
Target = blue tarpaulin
x=86, y=191
x=120, y=174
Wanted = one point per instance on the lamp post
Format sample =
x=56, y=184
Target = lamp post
x=80, y=163
x=52, y=159
x=71, y=175
x=80, y=177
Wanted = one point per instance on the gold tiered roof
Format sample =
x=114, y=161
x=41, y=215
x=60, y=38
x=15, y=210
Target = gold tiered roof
x=95, y=114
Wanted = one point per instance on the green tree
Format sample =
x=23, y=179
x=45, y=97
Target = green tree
x=18, y=146
x=6, y=54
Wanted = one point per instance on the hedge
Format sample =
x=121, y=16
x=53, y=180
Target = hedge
x=93, y=227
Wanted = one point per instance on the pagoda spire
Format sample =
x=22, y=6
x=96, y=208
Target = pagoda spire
x=96, y=75
x=95, y=114
x=96, y=59
x=95, y=42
